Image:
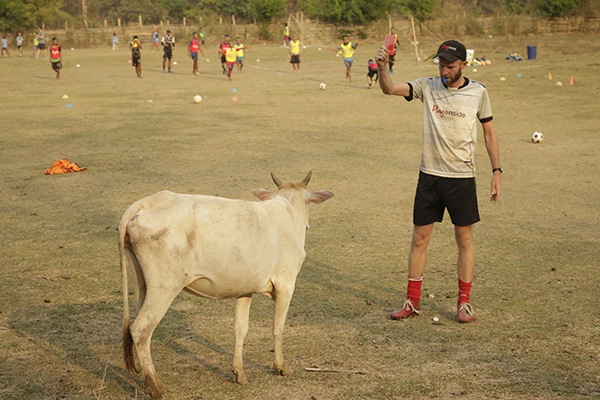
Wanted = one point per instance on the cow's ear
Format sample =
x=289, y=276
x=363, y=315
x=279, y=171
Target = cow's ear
x=263, y=194
x=320, y=196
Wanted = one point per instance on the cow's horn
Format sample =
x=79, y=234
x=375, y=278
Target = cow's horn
x=276, y=180
x=307, y=179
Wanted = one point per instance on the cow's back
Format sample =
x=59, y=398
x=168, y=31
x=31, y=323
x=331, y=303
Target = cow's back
x=216, y=247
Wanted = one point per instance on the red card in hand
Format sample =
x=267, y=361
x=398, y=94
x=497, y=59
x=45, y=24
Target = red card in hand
x=390, y=43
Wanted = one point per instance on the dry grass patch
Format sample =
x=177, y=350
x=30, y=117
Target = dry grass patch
x=60, y=304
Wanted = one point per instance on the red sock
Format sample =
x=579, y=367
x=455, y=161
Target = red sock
x=413, y=292
x=464, y=291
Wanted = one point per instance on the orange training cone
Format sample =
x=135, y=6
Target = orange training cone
x=549, y=75
x=571, y=81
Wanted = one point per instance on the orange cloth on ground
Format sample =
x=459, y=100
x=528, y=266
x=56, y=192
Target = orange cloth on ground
x=63, y=166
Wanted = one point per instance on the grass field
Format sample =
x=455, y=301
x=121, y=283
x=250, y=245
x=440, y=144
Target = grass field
x=536, y=286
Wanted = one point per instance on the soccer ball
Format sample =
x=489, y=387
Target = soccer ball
x=322, y=86
x=537, y=137
x=197, y=99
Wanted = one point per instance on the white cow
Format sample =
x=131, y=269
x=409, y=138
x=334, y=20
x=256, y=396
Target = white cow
x=215, y=248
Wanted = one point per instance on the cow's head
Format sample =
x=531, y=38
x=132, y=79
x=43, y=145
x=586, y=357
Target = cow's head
x=294, y=191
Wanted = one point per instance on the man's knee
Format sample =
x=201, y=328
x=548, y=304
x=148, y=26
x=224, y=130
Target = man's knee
x=464, y=236
x=421, y=235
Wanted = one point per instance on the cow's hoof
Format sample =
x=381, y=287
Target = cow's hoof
x=154, y=389
x=239, y=376
x=284, y=371
x=153, y=392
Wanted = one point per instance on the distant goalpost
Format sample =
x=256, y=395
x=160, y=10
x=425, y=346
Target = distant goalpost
x=412, y=36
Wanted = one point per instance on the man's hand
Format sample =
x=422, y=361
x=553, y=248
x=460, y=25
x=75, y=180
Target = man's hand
x=496, y=187
x=381, y=58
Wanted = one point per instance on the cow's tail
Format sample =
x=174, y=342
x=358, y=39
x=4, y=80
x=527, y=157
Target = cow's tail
x=123, y=258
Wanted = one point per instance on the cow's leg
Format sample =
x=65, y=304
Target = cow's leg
x=282, y=304
x=242, y=314
x=154, y=308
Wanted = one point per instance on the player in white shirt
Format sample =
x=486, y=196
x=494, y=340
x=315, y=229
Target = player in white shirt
x=453, y=107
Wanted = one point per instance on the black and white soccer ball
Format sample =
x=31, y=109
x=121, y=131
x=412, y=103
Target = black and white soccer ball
x=537, y=137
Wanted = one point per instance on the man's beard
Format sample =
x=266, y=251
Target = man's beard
x=452, y=80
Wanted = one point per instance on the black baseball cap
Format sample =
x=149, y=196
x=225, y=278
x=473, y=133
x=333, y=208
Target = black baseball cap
x=452, y=50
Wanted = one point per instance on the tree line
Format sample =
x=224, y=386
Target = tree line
x=26, y=14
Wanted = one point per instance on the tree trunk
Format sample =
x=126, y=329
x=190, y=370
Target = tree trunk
x=84, y=9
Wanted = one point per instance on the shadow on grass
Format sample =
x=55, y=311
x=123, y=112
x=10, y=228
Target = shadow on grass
x=318, y=273
x=76, y=332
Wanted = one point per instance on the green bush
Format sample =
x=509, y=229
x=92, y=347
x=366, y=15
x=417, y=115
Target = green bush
x=557, y=8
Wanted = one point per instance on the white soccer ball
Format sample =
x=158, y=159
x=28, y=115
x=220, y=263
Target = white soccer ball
x=537, y=137
x=197, y=99
x=78, y=66
x=322, y=86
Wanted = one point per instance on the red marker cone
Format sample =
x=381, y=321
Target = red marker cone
x=549, y=75
x=571, y=81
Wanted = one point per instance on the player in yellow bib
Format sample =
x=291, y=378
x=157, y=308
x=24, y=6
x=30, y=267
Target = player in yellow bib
x=295, y=50
x=239, y=53
x=347, y=48
x=230, y=57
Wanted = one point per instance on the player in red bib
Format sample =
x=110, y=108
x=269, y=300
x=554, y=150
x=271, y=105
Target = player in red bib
x=55, y=57
x=223, y=46
x=372, y=75
x=193, y=48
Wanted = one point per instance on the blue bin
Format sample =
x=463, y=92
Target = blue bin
x=531, y=52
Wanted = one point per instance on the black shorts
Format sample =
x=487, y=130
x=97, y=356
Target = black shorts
x=223, y=59
x=168, y=52
x=435, y=194
x=56, y=65
x=372, y=73
x=295, y=59
x=136, y=58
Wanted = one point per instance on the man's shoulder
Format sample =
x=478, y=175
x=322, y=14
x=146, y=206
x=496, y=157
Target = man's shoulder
x=425, y=82
x=474, y=87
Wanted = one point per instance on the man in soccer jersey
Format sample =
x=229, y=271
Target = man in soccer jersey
x=168, y=42
x=453, y=106
x=4, y=46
